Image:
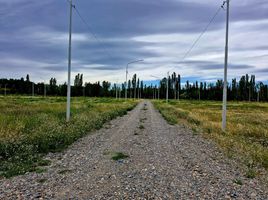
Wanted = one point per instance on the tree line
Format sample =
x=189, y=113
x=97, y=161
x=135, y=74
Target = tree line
x=244, y=89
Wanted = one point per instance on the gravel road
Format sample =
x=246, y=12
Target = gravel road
x=165, y=162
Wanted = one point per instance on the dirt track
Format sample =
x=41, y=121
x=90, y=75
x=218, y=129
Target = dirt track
x=165, y=162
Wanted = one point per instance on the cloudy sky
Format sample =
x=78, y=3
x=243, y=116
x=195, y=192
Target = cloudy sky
x=34, y=39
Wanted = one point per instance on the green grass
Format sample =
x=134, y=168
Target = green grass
x=143, y=119
x=43, y=180
x=65, y=171
x=238, y=182
x=246, y=136
x=32, y=127
x=251, y=173
x=141, y=127
x=119, y=156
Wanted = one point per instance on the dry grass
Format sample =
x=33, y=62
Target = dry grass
x=247, y=126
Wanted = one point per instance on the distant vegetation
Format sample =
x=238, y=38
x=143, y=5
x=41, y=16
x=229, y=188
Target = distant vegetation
x=247, y=126
x=245, y=89
x=31, y=127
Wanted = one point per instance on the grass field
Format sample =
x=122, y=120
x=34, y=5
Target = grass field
x=32, y=127
x=247, y=126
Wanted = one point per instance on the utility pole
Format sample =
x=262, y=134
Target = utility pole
x=158, y=91
x=167, y=87
x=84, y=91
x=45, y=90
x=225, y=69
x=179, y=86
x=158, y=86
x=32, y=89
x=126, y=84
x=5, y=89
x=115, y=91
x=135, y=61
x=249, y=93
x=69, y=65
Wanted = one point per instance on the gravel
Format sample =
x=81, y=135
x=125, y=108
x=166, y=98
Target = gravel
x=165, y=162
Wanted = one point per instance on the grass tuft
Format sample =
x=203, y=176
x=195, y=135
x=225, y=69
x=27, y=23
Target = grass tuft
x=238, y=181
x=64, y=171
x=251, y=173
x=141, y=127
x=43, y=162
x=143, y=119
x=119, y=156
x=43, y=180
x=39, y=170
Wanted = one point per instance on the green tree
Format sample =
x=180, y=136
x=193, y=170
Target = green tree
x=134, y=84
x=78, y=81
x=27, y=78
x=106, y=86
x=53, y=86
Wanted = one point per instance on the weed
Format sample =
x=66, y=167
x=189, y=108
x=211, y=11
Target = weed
x=119, y=156
x=64, y=171
x=142, y=120
x=144, y=107
x=39, y=170
x=141, y=127
x=106, y=152
x=251, y=173
x=42, y=180
x=43, y=162
x=238, y=181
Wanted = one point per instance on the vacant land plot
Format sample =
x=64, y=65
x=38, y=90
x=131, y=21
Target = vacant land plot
x=30, y=127
x=247, y=126
x=122, y=161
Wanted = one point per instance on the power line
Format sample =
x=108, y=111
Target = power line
x=90, y=29
x=184, y=56
x=202, y=33
x=92, y=33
